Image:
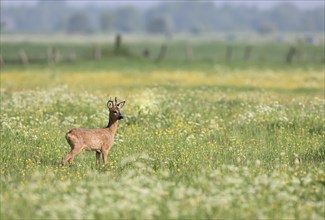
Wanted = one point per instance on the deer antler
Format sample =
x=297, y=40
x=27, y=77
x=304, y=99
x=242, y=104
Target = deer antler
x=115, y=100
x=109, y=101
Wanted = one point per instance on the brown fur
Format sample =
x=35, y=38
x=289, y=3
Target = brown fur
x=97, y=139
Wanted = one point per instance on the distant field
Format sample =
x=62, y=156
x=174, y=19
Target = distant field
x=181, y=52
x=244, y=37
x=200, y=138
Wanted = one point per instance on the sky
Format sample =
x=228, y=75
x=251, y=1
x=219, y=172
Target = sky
x=144, y=4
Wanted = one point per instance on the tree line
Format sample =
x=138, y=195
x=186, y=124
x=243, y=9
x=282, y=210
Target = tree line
x=168, y=17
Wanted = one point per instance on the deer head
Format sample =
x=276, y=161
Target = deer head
x=114, y=109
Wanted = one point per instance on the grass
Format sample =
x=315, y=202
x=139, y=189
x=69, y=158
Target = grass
x=198, y=141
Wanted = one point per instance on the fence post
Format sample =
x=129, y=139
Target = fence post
x=56, y=55
x=302, y=55
x=146, y=53
x=291, y=53
x=50, y=55
x=23, y=57
x=229, y=53
x=72, y=56
x=162, y=53
x=247, y=53
x=189, y=52
x=118, y=43
x=2, y=62
x=98, y=53
x=53, y=55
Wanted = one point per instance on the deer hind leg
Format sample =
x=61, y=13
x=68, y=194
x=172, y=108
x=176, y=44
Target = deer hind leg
x=97, y=157
x=69, y=157
x=66, y=158
x=75, y=145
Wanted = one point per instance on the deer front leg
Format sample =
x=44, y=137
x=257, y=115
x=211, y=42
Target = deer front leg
x=105, y=154
x=97, y=157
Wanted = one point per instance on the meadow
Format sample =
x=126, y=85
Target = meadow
x=204, y=139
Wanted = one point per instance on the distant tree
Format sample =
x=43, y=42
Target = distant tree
x=185, y=16
x=198, y=28
x=46, y=3
x=2, y=25
x=286, y=17
x=158, y=25
x=78, y=23
x=127, y=19
x=49, y=14
x=265, y=27
x=316, y=17
x=179, y=16
x=106, y=21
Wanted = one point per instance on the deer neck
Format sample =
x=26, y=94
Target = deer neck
x=112, y=126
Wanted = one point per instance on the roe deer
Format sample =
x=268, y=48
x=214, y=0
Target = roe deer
x=97, y=139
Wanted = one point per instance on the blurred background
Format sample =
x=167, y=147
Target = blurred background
x=168, y=17
x=292, y=23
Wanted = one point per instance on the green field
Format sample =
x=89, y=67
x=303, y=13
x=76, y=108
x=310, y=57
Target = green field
x=201, y=138
x=184, y=53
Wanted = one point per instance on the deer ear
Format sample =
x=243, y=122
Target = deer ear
x=120, y=105
x=110, y=104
